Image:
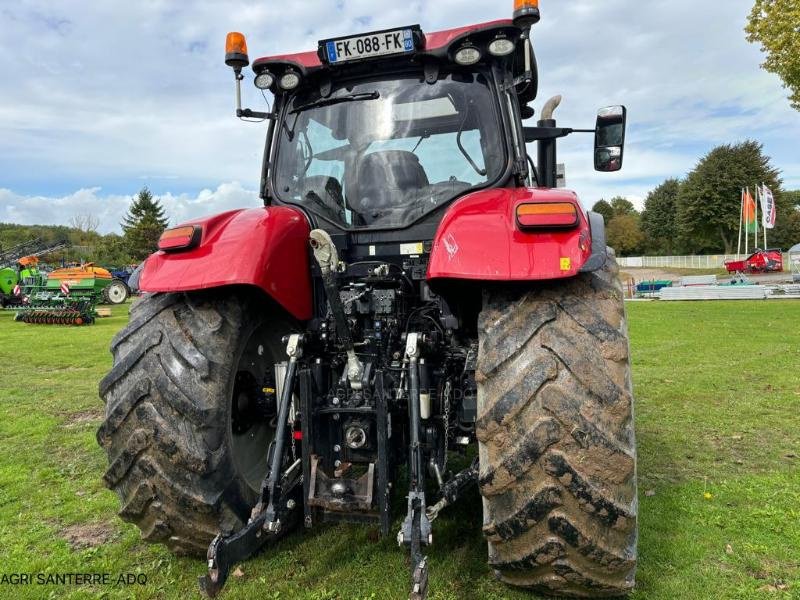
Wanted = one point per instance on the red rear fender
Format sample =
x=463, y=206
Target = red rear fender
x=479, y=239
x=262, y=247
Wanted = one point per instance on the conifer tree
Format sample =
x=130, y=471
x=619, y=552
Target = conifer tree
x=143, y=225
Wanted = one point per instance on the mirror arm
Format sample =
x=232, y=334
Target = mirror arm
x=246, y=113
x=533, y=134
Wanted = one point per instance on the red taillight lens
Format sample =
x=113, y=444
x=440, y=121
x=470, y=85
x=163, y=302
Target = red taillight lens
x=180, y=238
x=547, y=215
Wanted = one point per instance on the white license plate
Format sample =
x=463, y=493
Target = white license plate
x=370, y=45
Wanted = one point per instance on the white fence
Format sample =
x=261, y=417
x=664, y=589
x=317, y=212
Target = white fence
x=714, y=261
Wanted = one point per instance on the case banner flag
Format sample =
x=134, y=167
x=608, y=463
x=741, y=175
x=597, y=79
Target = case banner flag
x=768, y=208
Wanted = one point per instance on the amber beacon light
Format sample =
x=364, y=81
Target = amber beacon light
x=236, y=51
x=526, y=13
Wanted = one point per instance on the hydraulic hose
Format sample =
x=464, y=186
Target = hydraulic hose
x=328, y=260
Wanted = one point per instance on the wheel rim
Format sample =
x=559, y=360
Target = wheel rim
x=116, y=293
x=253, y=413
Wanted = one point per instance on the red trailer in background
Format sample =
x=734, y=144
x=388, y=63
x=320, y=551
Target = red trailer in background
x=761, y=261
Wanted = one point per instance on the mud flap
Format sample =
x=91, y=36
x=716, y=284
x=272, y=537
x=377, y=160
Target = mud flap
x=599, y=251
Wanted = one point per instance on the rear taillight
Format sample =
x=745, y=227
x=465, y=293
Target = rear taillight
x=547, y=215
x=180, y=238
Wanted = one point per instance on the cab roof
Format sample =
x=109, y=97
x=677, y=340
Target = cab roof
x=435, y=44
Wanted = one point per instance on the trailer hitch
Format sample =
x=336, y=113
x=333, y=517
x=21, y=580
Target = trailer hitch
x=277, y=508
x=416, y=529
x=225, y=552
x=451, y=491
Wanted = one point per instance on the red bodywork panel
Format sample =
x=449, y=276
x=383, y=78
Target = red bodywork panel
x=307, y=62
x=264, y=247
x=479, y=239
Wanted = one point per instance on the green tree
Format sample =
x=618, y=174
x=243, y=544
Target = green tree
x=84, y=243
x=658, y=218
x=111, y=251
x=792, y=198
x=604, y=208
x=143, y=225
x=774, y=25
x=625, y=234
x=622, y=206
x=709, y=200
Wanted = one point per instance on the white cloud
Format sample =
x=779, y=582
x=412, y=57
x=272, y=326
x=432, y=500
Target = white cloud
x=110, y=209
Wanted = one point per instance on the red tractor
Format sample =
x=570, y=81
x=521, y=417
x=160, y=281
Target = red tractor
x=414, y=287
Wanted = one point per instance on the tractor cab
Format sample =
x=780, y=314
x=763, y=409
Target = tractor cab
x=384, y=130
x=381, y=131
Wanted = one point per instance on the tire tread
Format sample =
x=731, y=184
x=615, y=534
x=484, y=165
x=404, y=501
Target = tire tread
x=556, y=441
x=164, y=422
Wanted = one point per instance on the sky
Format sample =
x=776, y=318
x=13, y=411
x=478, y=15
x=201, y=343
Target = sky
x=100, y=98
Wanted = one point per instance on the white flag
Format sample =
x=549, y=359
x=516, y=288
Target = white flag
x=768, y=208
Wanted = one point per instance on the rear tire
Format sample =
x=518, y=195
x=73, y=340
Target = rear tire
x=185, y=432
x=116, y=292
x=556, y=437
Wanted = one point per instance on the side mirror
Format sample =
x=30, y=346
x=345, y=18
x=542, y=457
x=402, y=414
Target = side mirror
x=609, y=138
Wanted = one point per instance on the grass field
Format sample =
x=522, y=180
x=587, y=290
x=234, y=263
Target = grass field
x=718, y=425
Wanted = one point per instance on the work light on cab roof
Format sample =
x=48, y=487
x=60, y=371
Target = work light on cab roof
x=473, y=46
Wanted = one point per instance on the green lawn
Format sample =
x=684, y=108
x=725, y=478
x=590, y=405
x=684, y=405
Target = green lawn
x=718, y=422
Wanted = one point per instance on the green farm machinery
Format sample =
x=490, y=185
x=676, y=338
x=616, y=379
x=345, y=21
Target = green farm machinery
x=19, y=270
x=66, y=297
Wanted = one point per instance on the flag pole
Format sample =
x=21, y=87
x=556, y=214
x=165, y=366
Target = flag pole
x=741, y=219
x=746, y=231
x=755, y=237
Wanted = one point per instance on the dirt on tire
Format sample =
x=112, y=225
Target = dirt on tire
x=167, y=417
x=556, y=438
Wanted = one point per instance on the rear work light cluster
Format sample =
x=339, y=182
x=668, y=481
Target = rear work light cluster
x=547, y=215
x=526, y=14
x=288, y=81
x=236, y=57
x=470, y=54
x=180, y=238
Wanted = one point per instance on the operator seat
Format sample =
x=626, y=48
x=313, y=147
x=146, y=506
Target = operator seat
x=385, y=180
x=326, y=192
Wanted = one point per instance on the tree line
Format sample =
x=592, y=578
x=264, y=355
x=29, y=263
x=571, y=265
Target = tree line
x=143, y=224
x=700, y=214
x=695, y=215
